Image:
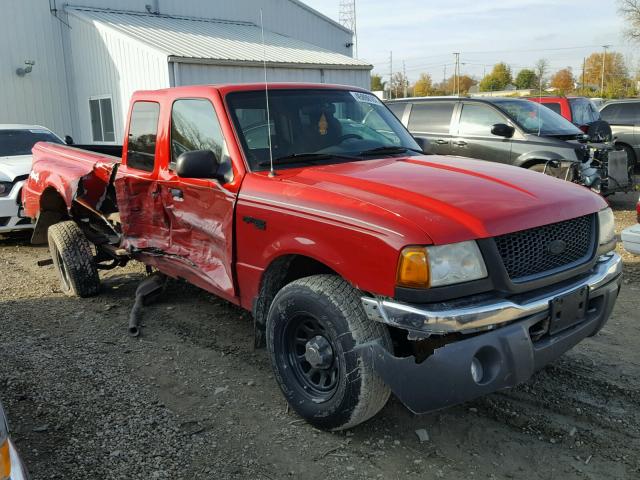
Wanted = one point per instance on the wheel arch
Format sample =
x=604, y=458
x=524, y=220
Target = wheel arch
x=53, y=209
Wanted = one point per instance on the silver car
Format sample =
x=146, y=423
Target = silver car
x=11, y=467
x=624, y=118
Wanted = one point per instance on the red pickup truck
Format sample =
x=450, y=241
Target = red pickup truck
x=369, y=267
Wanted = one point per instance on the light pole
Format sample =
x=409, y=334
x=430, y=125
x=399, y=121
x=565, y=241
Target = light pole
x=604, y=56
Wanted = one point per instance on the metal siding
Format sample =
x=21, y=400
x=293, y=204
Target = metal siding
x=194, y=74
x=214, y=40
x=287, y=17
x=108, y=63
x=29, y=32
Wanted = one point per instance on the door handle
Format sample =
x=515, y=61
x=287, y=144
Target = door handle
x=441, y=141
x=176, y=194
x=460, y=143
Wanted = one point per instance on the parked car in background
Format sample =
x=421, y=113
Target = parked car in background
x=624, y=118
x=11, y=466
x=580, y=111
x=16, y=142
x=513, y=131
x=631, y=235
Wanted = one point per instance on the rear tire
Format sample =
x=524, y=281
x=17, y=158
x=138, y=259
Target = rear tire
x=73, y=259
x=337, y=389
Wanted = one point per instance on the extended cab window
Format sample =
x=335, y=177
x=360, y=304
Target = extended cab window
x=143, y=129
x=195, y=126
x=432, y=117
x=477, y=119
x=397, y=109
x=554, y=107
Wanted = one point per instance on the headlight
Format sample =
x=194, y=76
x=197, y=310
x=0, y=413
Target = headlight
x=436, y=266
x=606, y=230
x=5, y=188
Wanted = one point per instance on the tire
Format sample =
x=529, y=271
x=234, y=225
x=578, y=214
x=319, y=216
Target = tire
x=328, y=307
x=553, y=172
x=73, y=259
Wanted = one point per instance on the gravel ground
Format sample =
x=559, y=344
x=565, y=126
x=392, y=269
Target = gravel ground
x=191, y=399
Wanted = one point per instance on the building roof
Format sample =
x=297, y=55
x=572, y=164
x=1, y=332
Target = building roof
x=212, y=41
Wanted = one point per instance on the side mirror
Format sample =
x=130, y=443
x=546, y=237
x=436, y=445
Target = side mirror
x=423, y=143
x=198, y=164
x=68, y=140
x=503, y=130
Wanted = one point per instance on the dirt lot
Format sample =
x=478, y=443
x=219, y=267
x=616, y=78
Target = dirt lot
x=191, y=399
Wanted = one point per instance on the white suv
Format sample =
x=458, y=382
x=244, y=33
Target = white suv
x=16, y=142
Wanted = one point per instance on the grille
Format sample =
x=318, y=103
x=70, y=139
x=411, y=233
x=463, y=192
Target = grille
x=527, y=253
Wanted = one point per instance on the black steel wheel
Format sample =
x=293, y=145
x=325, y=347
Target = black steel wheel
x=314, y=328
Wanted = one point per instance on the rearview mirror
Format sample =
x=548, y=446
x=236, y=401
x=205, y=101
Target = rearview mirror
x=68, y=140
x=198, y=164
x=503, y=130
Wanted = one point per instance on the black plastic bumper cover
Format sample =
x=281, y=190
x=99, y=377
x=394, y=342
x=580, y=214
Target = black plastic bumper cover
x=508, y=357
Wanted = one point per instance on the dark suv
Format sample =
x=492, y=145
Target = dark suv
x=624, y=118
x=507, y=130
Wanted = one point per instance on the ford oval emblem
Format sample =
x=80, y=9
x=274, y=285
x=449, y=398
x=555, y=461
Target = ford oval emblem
x=557, y=247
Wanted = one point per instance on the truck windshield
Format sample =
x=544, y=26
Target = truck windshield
x=309, y=126
x=20, y=142
x=533, y=118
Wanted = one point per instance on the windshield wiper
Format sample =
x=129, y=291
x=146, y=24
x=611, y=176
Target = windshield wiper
x=305, y=158
x=388, y=150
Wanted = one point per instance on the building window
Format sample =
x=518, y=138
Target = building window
x=101, y=111
x=143, y=129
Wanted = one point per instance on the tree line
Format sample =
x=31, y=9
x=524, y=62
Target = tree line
x=620, y=80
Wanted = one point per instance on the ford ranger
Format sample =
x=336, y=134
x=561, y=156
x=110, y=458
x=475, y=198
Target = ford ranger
x=369, y=267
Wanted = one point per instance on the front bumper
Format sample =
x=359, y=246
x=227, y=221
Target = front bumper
x=507, y=355
x=11, y=218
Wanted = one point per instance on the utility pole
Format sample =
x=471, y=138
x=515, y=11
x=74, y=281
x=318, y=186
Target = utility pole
x=444, y=79
x=604, y=56
x=456, y=75
x=390, y=74
x=404, y=80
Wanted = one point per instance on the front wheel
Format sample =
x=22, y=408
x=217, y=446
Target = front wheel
x=313, y=328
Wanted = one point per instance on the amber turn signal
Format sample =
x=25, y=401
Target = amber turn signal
x=5, y=460
x=413, y=268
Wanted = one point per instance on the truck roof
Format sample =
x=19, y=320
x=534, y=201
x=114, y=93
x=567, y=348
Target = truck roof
x=240, y=87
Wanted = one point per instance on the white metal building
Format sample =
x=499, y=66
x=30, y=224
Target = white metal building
x=89, y=59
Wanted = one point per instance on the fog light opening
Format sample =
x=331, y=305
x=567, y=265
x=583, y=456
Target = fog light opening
x=477, y=371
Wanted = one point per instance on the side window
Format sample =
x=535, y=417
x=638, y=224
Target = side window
x=101, y=113
x=432, y=117
x=580, y=112
x=610, y=112
x=554, y=107
x=630, y=113
x=477, y=119
x=143, y=129
x=195, y=126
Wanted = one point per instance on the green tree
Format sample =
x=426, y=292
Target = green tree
x=497, y=79
x=423, y=86
x=376, y=83
x=526, y=79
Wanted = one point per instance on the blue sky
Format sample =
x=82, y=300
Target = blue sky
x=424, y=33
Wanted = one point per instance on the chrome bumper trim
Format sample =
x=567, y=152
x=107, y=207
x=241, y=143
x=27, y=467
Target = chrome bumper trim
x=456, y=316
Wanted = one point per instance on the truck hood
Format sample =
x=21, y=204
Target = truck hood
x=450, y=199
x=14, y=166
